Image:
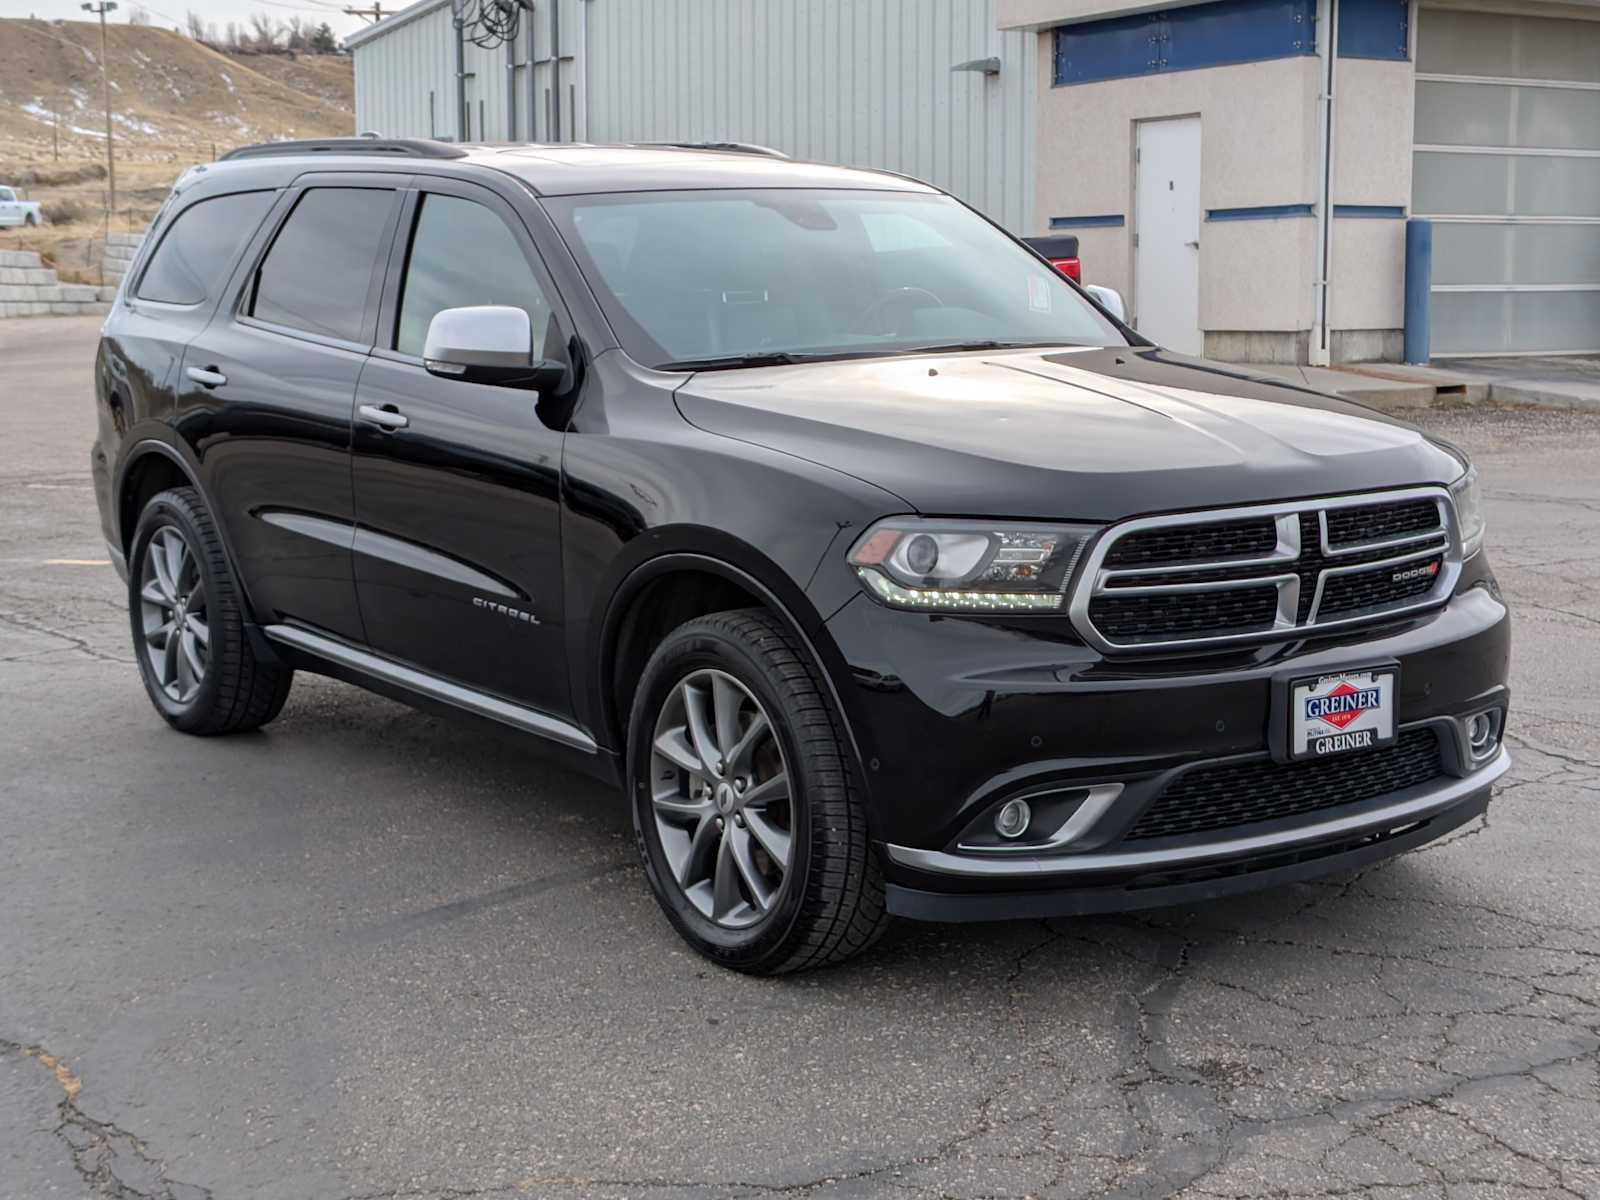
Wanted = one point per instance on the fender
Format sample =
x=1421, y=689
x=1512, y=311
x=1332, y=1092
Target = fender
x=175, y=453
x=812, y=635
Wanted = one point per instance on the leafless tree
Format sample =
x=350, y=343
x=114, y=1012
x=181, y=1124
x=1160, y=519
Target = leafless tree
x=138, y=15
x=263, y=32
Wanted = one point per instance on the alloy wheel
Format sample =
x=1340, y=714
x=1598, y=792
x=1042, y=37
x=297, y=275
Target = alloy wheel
x=173, y=616
x=720, y=794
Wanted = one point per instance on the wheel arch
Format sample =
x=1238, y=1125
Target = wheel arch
x=151, y=466
x=667, y=589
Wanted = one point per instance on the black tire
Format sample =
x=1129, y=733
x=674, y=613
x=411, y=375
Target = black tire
x=831, y=902
x=30, y=220
x=237, y=691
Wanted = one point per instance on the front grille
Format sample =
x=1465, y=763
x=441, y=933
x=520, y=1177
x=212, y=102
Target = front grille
x=1379, y=587
x=1181, y=614
x=1209, y=798
x=1270, y=570
x=1381, y=522
x=1252, y=538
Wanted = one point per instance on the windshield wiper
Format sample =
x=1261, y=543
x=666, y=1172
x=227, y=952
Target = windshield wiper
x=781, y=358
x=989, y=344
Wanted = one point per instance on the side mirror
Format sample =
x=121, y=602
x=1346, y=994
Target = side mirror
x=488, y=343
x=1109, y=299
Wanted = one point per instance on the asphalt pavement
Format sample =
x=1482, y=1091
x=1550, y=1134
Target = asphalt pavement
x=370, y=952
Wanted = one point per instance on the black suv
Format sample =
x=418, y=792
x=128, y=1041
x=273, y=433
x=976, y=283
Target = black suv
x=885, y=570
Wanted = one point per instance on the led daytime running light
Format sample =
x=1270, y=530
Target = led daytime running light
x=932, y=598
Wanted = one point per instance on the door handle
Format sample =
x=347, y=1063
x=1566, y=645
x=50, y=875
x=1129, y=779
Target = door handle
x=385, y=417
x=207, y=376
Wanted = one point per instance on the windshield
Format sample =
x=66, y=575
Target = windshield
x=710, y=278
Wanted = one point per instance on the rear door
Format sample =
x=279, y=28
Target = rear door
x=176, y=292
x=267, y=391
x=458, y=553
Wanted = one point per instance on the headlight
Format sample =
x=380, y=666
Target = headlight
x=1469, y=512
x=968, y=566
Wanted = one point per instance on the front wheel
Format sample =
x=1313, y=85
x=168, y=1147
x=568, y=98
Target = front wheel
x=750, y=825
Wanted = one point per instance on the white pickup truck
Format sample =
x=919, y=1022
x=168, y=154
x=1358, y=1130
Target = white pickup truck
x=18, y=212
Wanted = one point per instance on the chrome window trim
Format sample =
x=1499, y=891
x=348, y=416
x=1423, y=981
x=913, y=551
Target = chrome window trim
x=1094, y=576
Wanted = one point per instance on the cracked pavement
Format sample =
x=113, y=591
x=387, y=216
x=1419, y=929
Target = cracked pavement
x=375, y=953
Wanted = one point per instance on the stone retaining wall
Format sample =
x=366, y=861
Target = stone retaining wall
x=120, y=250
x=28, y=288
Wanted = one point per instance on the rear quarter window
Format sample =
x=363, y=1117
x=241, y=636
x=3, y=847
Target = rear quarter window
x=194, y=256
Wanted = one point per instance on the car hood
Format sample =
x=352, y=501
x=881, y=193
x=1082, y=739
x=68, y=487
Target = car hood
x=1072, y=434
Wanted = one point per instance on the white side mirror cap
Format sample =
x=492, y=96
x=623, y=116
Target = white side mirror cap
x=1109, y=299
x=493, y=336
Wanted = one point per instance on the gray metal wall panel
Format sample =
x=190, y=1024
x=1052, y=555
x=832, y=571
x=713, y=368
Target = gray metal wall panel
x=396, y=71
x=862, y=82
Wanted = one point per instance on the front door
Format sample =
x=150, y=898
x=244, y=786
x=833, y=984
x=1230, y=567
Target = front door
x=1166, y=280
x=457, y=548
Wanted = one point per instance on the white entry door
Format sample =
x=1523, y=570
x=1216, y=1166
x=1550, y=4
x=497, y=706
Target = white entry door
x=1166, y=257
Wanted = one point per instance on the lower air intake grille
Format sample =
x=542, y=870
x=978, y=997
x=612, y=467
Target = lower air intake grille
x=1243, y=793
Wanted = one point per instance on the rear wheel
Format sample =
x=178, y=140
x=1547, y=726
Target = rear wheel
x=188, y=624
x=751, y=828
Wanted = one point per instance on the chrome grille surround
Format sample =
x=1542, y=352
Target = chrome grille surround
x=1293, y=558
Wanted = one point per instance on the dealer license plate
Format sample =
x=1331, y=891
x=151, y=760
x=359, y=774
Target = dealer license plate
x=1341, y=713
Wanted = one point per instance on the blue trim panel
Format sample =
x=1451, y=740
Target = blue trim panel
x=1371, y=212
x=1266, y=212
x=1375, y=29
x=1219, y=34
x=1109, y=221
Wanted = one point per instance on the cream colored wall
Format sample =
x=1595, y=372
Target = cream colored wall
x=1036, y=14
x=1371, y=166
x=1258, y=147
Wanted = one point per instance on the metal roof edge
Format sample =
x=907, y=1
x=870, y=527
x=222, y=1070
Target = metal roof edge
x=406, y=15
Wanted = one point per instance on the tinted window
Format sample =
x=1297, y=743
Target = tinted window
x=7, y=194
x=463, y=254
x=319, y=269
x=194, y=256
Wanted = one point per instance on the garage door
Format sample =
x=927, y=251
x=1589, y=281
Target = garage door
x=1507, y=164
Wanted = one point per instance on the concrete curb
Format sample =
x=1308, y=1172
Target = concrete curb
x=1399, y=389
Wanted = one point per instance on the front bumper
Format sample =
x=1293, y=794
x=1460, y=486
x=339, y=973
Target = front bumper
x=1121, y=880
x=953, y=716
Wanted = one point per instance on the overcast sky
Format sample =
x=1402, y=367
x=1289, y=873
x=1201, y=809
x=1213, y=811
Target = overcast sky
x=169, y=13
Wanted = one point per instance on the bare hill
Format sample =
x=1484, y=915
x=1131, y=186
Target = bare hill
x=175, y=103
x=173, y=98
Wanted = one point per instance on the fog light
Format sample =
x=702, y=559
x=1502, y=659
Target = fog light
x=1480, y=734
x=1012, y=819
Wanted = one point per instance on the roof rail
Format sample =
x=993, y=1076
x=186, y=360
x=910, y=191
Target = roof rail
x=396, y=147
x=729, y=147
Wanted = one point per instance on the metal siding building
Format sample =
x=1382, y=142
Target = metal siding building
x=858, y=82
x=1300, y=134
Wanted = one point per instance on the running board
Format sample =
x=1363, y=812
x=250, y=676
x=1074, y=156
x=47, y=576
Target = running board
x=517, y=716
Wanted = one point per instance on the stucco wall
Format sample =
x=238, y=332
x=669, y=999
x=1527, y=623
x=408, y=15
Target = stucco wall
x=1259, y=136
x=1371, y=167
x=1036, y=14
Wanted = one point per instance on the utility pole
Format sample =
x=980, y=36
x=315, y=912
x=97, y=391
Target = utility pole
x=374, y=14
x=100, y=10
